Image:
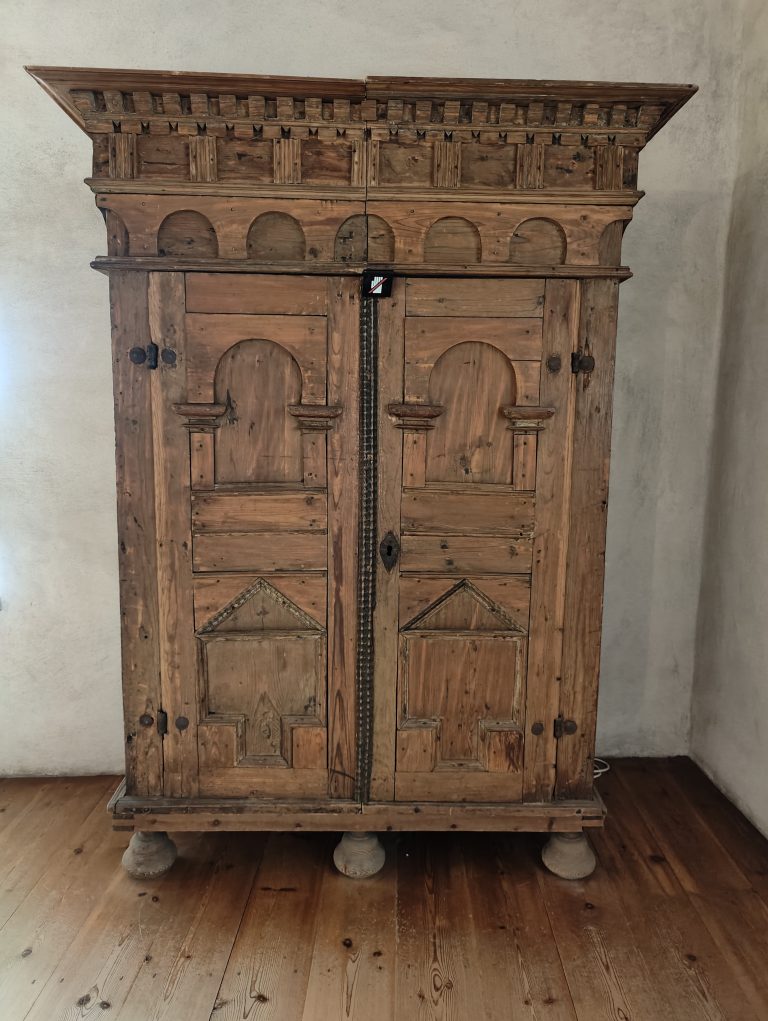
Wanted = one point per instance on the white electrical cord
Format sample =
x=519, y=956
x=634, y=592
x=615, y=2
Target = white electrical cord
x=601, y=767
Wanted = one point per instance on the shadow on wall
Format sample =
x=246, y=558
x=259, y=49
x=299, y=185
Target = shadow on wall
x=665, y=380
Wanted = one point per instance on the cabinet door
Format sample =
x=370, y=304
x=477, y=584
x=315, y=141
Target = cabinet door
x=476, y=406
x=255, y=464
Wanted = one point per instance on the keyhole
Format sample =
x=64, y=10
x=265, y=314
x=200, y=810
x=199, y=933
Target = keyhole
x=389, y=550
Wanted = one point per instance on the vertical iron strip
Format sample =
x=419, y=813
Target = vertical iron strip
x=366, y=585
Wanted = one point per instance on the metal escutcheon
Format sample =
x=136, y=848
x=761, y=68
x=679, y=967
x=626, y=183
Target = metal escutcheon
x=389, y=550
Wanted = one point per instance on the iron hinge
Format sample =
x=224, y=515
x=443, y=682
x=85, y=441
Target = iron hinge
x=564, y=727
x=151, y=356
x=582, y=361
x=162, y=722
x=145, y=355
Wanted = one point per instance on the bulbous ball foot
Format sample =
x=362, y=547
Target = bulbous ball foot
x=149, y=855
x=569, y=856
x=359, y=855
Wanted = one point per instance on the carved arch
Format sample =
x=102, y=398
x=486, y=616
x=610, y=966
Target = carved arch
x=538, y=242
x=187, y=233
x=117, y=233
x=364, y=238
x=452, y=240
x=276, y=237
x=609, y=245
x=257, y=439
x=470, y=441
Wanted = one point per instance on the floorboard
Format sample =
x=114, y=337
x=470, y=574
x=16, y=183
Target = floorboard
x=673, y=925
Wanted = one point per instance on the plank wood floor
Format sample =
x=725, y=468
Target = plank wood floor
x=673, y=926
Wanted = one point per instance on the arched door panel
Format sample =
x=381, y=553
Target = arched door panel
x=265, y=419
x=472, y=477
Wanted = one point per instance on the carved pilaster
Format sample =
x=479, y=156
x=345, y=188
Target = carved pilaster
x=372, y=167
x=287, y=160
x=358, y=175
x=609, y=167
x=122, y=156
x=203, y=158
x=314, y=420
x=446, y=165
x=530, y=166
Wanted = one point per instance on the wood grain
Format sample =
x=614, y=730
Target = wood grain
x=210, y=336
x=25, y=843
x=355, y=967
x=428, y=338
x=511, y=593
x=260, y=551
x=688, y=967
x=586, y=540
x=63, y=891
x=461, y=555
x=187, y=234
x=343, y=507
x=390, y=480
x=290, y=512
x=553, y=482
x=178, y=654
x=257, y=439
x=264, y=928
x=470, y=442
x=438, y=951
x=139, y=612
x=452, y=239
x=262, y=295
x=268, y=972
x=484, y=298
x=213, y=593
x=538, y=242
x=450, y=511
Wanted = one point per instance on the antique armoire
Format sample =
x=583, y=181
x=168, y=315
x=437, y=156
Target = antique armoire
x=363, y=346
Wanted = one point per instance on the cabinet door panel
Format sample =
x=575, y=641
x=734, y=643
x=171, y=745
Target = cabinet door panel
x=473, y=490
x=262, y=404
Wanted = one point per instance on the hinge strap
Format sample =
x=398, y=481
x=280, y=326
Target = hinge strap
x=564, y=727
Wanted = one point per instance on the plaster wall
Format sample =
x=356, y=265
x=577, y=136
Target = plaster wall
x=729, y=735
x=59, y=684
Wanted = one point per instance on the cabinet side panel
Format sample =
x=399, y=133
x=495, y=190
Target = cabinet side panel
x=586, y=547
x=136, y=537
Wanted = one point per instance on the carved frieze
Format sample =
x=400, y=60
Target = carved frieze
x=425, y=133
x=447, y=170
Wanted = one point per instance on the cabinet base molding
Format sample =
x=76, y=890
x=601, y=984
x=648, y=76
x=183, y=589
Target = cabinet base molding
x=359, y=855
x=179, y=815
x=149, y=855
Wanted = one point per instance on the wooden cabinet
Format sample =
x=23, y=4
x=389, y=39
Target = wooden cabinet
x=361, y=527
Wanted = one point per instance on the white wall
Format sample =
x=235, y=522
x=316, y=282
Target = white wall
x=730, y=704
x=59, y=691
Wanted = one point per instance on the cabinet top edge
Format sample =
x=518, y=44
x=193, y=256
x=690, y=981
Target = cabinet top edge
x=66, y=85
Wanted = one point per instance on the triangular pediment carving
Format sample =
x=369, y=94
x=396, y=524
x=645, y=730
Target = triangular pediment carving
x=260, y=607
x=463, y=608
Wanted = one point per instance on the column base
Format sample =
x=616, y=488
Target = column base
x=359, y=855
x=569, y=856
x=149, y=855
